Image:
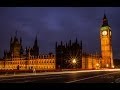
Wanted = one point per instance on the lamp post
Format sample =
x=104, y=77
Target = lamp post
x=107, y=65
x=97, y=65
x=74, y=62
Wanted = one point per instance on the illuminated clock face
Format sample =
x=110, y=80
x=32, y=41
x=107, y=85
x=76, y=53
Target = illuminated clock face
x=104, y=33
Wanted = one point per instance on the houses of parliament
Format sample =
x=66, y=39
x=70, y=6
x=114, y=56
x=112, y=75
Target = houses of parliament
x=69, y=55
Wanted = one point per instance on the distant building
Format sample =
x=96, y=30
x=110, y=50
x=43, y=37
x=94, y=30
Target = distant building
x=26, y=59
x=69, y=55
x=91, y=61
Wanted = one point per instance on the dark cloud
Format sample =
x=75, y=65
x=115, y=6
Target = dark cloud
x=58, y=23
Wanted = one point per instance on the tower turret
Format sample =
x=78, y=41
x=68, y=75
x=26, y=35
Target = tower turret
x=105, y=21
x=20, y=40
x=76, y=40
x=11, y=40
x=35, y=47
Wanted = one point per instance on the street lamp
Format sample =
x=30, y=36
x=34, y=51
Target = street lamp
x=97, y=64
x=107, y=65
x=74, y=61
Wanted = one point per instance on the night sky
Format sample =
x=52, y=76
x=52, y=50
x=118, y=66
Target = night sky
x=53, y=24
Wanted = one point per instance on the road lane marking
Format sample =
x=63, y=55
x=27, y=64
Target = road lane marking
x=107, y=77
x=25, y=81
x=89, y=77
x=35, y=80
x=112, y=82
x=54, y=78
x=117, y=80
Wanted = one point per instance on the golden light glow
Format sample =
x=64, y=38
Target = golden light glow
x=110, y=33
x=113, y=66
x=107, y=65
x=104, y=33
x=74, y=61
x=97, y=64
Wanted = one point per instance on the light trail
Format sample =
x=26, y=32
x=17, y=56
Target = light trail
x=50, y=73
x=22, y=78
x=90, y=77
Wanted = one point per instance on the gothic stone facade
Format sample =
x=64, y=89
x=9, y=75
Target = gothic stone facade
x=20, y=59
x=69, y=56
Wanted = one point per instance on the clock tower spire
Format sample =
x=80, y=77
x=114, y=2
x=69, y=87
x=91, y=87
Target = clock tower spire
x=105, y=21
x=106, y=44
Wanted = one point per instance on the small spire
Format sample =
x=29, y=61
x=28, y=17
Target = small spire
x=104, y=16
x=66, y=45
x=35, y=43
x=21, y=50
x=11, y=40
x=81, y=44
x=105, y=21
x=61, y=43
x=56, y=45
x=36, y=36
x=16, y=33
x=76, y=39
x=15, y=38
x=20, y=40
x=4, y=52
x=70, y=42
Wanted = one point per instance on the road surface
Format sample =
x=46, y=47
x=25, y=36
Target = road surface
x=87, y=76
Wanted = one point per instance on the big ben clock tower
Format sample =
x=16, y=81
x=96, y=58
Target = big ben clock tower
x=106, y=44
